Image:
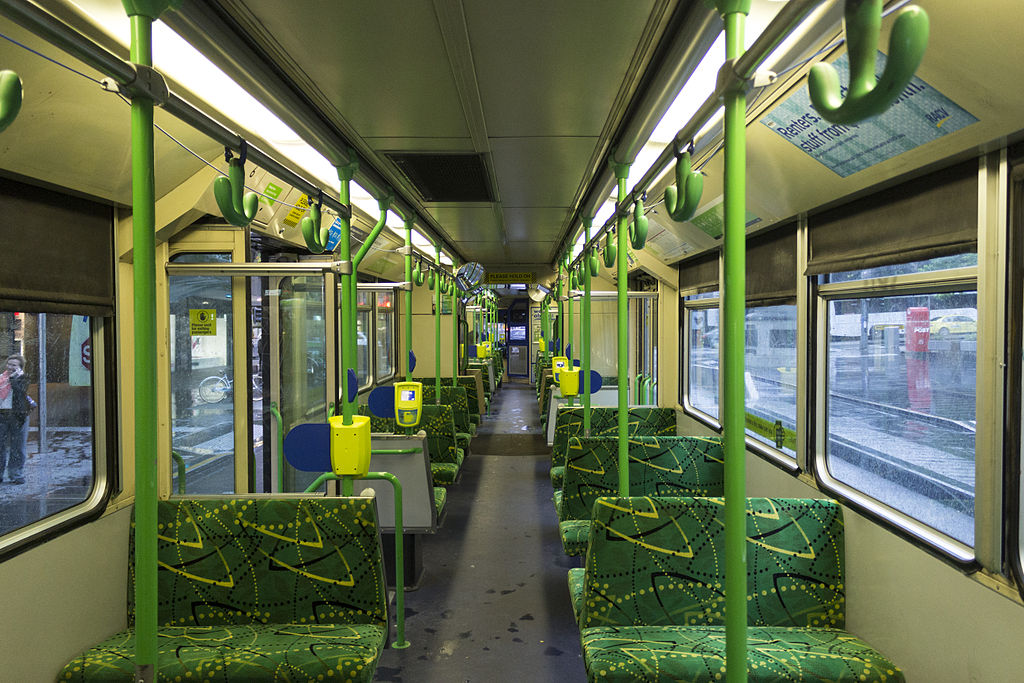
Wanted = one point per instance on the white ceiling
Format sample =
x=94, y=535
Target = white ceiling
x=537, y=87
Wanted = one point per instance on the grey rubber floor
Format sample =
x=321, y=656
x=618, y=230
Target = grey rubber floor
x=493, y=604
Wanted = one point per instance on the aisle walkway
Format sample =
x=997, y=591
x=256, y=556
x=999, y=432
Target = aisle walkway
x=493, y=603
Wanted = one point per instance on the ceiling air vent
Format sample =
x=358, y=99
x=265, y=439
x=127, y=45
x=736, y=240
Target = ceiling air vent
x=445, y=177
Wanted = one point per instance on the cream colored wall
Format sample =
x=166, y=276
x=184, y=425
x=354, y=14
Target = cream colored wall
x=423, y=333
x=63, y=597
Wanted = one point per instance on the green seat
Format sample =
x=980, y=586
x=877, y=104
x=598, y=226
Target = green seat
x=604, y=421
x=658, y=466
x=651, y=606
x=458, y=399
x=440, y=498
x=259, y=589
x=775, y=654
x=445, y=456
x=469, y=383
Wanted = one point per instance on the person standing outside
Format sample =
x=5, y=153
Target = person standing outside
x=14, y=408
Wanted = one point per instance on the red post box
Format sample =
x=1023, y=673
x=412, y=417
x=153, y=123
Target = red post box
x=917, y=329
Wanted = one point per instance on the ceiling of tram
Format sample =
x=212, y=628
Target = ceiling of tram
x=504, y=80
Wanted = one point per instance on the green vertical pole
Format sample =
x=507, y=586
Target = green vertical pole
x=437, y=325
x=734, y=15
x=561, y=320
x=383, y=204
x=408, y=299
x=348, y=312
x=622, y=318
x=588, y=221
x=455, y=330
x=545, y=325
x=568, y=307
x=144, y=310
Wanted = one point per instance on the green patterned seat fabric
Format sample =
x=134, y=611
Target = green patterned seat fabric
x=545, y=395
x=444, y=473
x=775, y=654
x=286, y=576
x=658, y=466
x=663, y=619
x=468, y=382
x=794, y=563
x=485, y=370
x=458, y=399
x=557, y=477
x=242, y=652
x=575, y=534
x=604, y=421
x=440, y=428
x=440, y=498
x=576, y=577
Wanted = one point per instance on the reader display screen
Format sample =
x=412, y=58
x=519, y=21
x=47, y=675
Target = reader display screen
x=408, y=395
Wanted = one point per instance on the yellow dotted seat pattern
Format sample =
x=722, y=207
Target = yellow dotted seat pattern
x=651, y=603
x=259, y=590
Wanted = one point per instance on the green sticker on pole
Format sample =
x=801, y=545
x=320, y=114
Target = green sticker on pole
x=773, y=431
x=202, y=322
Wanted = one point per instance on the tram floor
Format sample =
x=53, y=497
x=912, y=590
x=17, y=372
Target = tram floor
x=493, y=603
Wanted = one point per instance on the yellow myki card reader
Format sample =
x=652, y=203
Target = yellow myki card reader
x=559, y=363
x=483, y=349
x=569, y=382
x=350, y=445
x=408, y=403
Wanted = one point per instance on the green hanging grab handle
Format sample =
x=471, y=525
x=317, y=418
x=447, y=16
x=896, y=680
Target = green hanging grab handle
x=10, y=98
x=313, y=232
x=236, y=209
x=688, y=182
x=594, y=263
x=417, y=274
x=639, y=227
x=420, y=278
x=866, y=97
x=610, y=250
x=431, y=280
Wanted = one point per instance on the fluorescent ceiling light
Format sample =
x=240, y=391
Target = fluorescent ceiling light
x=446, y=259
x=697, y=89
x=604, y=213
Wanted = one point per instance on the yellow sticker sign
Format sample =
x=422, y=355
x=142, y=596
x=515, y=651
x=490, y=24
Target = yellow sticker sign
x=509, y=278
x=202, y=322
x=297, y=212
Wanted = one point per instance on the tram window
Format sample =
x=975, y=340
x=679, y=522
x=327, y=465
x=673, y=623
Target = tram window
x=770, y=360
x=202, y=377
x=702, y=361
x=966, y=260
x=363, y=339
x=48, y=420
x=302, y=352
x=385, y=326
x=900, y=404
